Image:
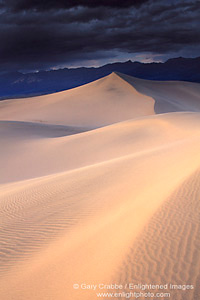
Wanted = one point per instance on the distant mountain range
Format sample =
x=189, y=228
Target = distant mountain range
x=17, y=84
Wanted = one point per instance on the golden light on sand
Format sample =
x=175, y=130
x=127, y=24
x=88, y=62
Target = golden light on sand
x=100, y=187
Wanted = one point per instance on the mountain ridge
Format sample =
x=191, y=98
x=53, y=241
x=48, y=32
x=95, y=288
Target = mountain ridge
x=16, y=84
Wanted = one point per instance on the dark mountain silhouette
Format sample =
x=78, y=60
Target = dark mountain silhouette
x=17, y=84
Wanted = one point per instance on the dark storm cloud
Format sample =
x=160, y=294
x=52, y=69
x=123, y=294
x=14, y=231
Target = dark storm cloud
x=65, y=4
x=46, y=34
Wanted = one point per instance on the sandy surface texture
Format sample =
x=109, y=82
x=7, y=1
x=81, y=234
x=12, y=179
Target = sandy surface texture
x=100, y=192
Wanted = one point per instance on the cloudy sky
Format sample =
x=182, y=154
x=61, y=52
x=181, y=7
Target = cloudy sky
x=49, y=34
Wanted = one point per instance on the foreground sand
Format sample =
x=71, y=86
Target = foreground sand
x=100, y=184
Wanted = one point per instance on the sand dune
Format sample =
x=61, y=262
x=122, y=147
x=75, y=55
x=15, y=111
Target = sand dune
x=115, y=204
x=109, y=100
x=87, y=148
x=96, y=104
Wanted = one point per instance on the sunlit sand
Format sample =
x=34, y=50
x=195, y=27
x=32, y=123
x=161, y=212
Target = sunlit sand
x=100, y=185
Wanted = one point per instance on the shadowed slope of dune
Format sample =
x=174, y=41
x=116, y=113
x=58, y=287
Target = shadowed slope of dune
x=169, y=96
x=27, y=130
